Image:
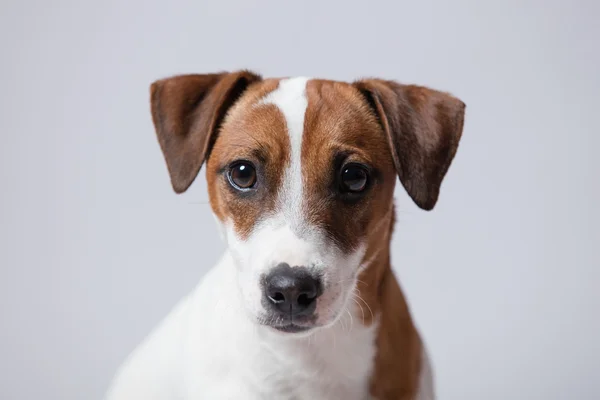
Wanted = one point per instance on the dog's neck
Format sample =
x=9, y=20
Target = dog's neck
x=398, y=360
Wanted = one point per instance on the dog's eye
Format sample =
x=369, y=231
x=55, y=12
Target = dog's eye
x=242, y=175
x=354, y=178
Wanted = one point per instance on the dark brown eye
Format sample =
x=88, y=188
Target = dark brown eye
x=242, y=175
x=354, y=178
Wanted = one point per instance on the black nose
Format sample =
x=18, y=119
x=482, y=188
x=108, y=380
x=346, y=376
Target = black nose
x=292, y=291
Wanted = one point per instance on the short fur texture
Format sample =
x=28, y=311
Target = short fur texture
x=299, y=135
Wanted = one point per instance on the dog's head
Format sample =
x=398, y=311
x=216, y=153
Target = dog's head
x=300, y=173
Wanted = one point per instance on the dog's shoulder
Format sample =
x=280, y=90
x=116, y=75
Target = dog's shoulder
x=156, y=369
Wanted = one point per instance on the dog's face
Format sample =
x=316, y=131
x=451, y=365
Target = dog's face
x=301, y=173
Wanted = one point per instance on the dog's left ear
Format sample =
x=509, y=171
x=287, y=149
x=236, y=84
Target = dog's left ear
x=187, y=111
x=423, y=127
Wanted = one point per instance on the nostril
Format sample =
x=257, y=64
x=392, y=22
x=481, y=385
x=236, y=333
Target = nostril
x=305, y=299
x=277, y=297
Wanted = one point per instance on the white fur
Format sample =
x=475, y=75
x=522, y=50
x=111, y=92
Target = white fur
x=211, y=346
x=290, y=98
x=209, y=349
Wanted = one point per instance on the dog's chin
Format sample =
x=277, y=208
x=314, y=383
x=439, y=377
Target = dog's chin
x=297, y=328
x=289, y=327
x=292, y=329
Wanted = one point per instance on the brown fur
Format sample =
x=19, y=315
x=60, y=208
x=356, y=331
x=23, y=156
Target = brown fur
x=398, y=359
x=424, y=127
x=338, y=121
x=409, y=131
x=255, y=133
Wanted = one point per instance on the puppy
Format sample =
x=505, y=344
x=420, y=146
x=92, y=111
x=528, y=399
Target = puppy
x=301, y=175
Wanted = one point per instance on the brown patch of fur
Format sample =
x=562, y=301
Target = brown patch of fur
x=398, y=360
x=252, y=132
x=397, y=364
x=340, y=128
x=424, y=127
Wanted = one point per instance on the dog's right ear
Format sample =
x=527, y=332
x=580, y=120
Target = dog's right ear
x=187, y=111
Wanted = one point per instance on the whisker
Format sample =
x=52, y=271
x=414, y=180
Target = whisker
x=363, y=282
x=342, y=323
x=334, y=339
x=366, y=304
x=361, y=309
x=383, y=219
x=351, y=320
x=371, y=259
x=332, y=330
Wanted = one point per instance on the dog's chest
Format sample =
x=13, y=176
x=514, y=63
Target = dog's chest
x=330, y=364
x=337, y=364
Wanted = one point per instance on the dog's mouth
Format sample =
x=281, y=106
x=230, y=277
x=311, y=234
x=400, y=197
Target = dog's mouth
x=288, y=324
x=290, y=328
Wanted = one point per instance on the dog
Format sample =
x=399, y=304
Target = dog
x=301, y=174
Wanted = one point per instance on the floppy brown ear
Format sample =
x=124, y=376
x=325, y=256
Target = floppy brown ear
x=423, y=127
x=187, y=111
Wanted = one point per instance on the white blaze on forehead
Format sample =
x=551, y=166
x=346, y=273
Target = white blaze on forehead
x=290, y=98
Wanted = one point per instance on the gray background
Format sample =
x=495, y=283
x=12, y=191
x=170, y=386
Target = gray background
x=95, y=248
